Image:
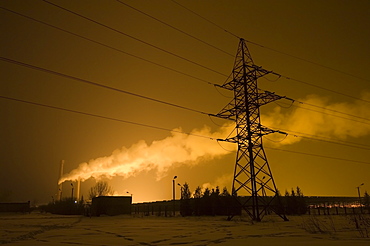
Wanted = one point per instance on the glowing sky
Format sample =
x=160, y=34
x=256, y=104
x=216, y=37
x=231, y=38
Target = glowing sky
x=333, y=34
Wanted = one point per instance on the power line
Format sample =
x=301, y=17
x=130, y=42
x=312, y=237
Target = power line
x=134, y=38
x=213, y=23
x=324, y=138
x=343, y=143
x=160, y=65
x=175, y=28
x=326, y=89
x=108, y=46
x=275, y=50
x=102, y=117
x=321, y=156
x=97, y=84
x=180, y=72
x=332, y=110
x=161, y=128
x=338, y=116
x=308, y=61
x=333, y=142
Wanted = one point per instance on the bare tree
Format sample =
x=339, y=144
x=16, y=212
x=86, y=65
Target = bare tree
x=101, y=188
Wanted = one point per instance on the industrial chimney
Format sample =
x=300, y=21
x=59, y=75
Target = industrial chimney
x=60, y=186
x=78, y=189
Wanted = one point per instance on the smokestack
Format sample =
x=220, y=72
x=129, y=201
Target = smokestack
x=78, y=189
x=60, y=186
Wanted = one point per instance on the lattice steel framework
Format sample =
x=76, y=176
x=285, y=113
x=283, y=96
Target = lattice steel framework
x=253, y=185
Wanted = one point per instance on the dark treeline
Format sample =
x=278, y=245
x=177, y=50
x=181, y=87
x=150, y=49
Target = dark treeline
x=294, y=202
x=366, y=201
x=209, y=202
x=215, y=202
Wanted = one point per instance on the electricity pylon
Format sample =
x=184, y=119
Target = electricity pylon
x=253, y=185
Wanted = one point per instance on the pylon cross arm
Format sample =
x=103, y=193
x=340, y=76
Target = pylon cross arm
x=267, y=97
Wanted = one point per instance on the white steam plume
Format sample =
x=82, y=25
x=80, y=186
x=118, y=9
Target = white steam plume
x=322, y=123
x=189, y=149
x=159, y=155
x=221, y=182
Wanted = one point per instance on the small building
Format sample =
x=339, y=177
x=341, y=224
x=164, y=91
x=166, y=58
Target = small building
x=23, y=207
x=111, y=205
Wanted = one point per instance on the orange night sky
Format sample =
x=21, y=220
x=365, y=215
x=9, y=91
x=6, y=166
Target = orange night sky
x=53, y=53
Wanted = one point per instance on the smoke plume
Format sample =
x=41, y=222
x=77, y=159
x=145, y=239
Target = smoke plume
x=160, y=155
x=181, y=148
x=324, y=120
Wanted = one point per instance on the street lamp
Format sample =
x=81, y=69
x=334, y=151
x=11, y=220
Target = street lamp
x=72, y=190
x=174, y=195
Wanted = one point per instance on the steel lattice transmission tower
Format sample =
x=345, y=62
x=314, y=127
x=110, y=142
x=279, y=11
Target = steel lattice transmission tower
x=253, y=185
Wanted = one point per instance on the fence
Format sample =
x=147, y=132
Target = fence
x=164, y=208
x=337, y=210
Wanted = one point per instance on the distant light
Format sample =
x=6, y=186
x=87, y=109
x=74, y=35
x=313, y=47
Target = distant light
x=75, y=201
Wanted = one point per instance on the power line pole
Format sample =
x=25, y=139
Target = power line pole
x=253, y=185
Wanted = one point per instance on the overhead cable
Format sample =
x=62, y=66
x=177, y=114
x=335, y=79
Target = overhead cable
x=324, y=138
x=134, y=38
x=97, y=84
x=275, y=50
x=175, y=28
x=213, y=23
x=102, y=117
x=161, y=128
x=152, y=62
x=326, y=89
x=321, y=156
x=332, y=110
x=108, y=46
x=338, y=116
x=333, y=142
x=138, y=57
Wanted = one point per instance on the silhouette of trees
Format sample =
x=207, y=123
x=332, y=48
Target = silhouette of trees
x=207, y=202
x=225, y=192
x=367, y=201
x=101, y=188
x=198, y=192
x=185, y=207
x=185, y=191
x=197, y=197
x=295, y=202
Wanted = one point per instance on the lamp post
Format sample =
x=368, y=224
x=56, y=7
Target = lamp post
x=72, y=190
x=174, y=195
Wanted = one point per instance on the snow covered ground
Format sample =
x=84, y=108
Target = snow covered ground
x=47, y=229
